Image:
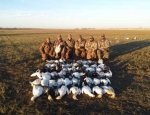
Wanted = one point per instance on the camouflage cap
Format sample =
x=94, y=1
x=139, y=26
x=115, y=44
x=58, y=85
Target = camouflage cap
x=59, y=36
x=80, y=36
x=69, y=35
x=102, y=35
x=91, y=37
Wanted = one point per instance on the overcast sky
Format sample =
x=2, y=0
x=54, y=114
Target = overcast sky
x=75, y=13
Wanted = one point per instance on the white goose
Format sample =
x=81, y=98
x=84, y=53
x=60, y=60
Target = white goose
x=108, y=74
x=109, y=90
x=77, y=74
x=37, y=73
x=100, y=61
x=105, y=81
x=87, y=90
x=75, y=91
x=45, y=82
x=57, y=50
x=96, y=81
x=98, y=90
x=59, y=82
x=36, y=82
x=89, y=81
x=62, y=91
x=52, y=83
x=48, y=65
x=36, y=91
x=46, y=76
x=75, y=81
x=66, y=81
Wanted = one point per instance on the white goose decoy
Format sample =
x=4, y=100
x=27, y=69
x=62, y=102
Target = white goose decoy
x=98, y=90
x=109, y=90
x=62, y=91
x=36, y=91
x=75, y=91
x=36, y=82
x=105, y=81
x=57, y=50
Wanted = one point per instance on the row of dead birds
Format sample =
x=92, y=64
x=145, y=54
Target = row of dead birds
x=60, y=77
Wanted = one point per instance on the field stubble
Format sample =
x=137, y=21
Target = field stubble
x=129, y=62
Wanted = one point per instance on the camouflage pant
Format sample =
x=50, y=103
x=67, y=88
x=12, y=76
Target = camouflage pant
x=103, y=54
x=91, y=55
x=69, y=53
x=80, y=53
x=45, y=56
x=48, y=54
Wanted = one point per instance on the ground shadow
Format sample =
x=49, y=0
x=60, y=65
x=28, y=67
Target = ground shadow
x=121, y=49
x=121, y=78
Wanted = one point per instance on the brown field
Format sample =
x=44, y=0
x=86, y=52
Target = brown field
x=129, y=62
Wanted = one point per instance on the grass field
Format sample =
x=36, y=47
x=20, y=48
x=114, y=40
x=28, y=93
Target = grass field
x=129, y=62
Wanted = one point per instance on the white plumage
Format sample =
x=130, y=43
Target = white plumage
x=36, y=82
x=98, y=90
x=75, y=81
x=108, y=74
x=71, y=73
x=87, y=90
x=36, y=91
x=62, y=91
x=105, y=81
x=96, y=81
x=75, y=91
x=57, y=49
x=66, y=81
x=38, y=74
x=109, y=90
x=89, y=81
x=52, y=83
x=46, y=76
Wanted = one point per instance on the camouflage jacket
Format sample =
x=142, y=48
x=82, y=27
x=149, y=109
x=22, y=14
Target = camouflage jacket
x=70, y=43
x=62, y=43
x=45, y=47
x=103, y=44
x=80, y=44
x=91, y=46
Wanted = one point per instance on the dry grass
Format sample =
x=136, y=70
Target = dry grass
x=129, y=62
